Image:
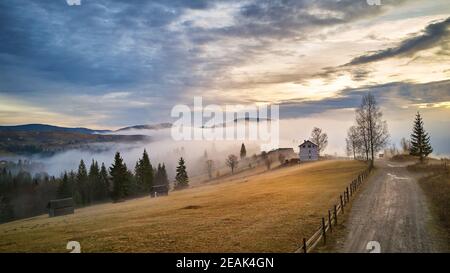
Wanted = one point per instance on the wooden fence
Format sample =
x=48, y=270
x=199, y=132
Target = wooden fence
x=331, y=219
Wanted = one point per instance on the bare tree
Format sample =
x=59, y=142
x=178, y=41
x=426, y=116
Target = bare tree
x=268, y=162
x=266, y=159
x=353, y=141
x=363, y=138
x=209, y=167
x=232, y=162
x=319, y=138
x=393, y=150
x=406, y=145
x=372, y=128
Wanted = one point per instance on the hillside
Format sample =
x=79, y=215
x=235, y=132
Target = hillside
x=147, y=127
x=47, y=143
x=268, y=212
x=48, y=128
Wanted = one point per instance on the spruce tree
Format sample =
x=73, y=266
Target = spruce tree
x=420, y=141
x=163, y=176
x=181, y=178
x=64, y=188
x=82, y=184
x=119, y=177
x=104, y=181
x=144, y=173
x=157, y=177
x=243, y=153
x=94, y=181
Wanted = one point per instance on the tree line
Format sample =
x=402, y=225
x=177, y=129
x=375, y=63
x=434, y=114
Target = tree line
x=370, y=133
x=117, y=182
x=23, y=195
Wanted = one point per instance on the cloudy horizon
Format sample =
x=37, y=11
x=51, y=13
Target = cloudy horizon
x=110, y=64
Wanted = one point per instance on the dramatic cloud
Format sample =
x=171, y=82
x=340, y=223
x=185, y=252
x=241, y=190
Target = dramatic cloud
x=432, y=35
x=117, y=63
x=395, y=96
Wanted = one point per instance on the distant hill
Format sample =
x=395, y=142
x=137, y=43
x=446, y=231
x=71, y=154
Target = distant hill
x=49, y=128
x=47, y=139
x=80, y=130
x=147, y=127
x=51, y=142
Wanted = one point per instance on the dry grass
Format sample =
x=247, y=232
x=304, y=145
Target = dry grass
x=436, y=185
x=268, y=212
x=403, y=158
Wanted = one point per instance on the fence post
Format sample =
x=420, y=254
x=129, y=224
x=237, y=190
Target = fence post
x=351, y=188
x=304, y=245
x=335, y=216
x=324, y=231
x=342, y=205
x=348, y=198
x=329, y=221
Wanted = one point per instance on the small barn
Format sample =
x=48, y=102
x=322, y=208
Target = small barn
x=308, y=151
x=159, y=190
x=59, y=207
x=285, y=153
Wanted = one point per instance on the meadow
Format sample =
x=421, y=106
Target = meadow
x=266, y=212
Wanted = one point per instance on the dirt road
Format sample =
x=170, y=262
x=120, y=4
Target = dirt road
x=392, y=210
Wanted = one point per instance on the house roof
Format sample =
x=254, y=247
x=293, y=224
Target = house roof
x=281, y=149
x=308, y=142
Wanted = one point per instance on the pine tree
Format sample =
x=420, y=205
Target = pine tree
x=144, y=173
x=95, y=184
x=81, y=184
x=181, y=178
x=157, y=178
x=104, y=181
x=164, y=178
x=64, y=188
x=120, y=178
x=243, y=153
x=420, y=141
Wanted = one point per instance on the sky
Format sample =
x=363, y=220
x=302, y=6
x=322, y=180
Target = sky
x=108, y=64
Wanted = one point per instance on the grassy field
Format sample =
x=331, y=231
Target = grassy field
x=436, y=184
x=268, y=212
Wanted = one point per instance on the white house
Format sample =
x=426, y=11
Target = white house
x=308, y=151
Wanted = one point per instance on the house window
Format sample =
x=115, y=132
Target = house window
x=309, y=157
x=309, y=145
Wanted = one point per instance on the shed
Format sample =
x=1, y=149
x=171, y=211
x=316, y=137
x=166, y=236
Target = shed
x=59, y=207
x=159, y=190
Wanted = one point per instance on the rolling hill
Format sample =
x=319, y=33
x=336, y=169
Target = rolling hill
x=47, y=139
x=267, y=212
x=49, y=128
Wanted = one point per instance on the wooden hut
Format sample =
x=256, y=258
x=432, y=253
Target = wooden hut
x=159, y=190
x=60, y=207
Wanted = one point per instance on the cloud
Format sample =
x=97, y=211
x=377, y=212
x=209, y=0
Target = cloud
x=431, y=36
x=394, y=96
x=142, y=58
